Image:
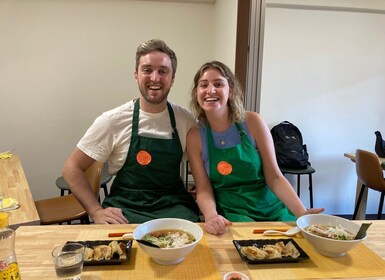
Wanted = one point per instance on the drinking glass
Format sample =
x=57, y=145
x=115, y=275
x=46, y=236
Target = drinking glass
x=68, y=261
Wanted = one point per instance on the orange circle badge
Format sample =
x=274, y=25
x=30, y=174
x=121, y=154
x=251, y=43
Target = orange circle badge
x=224, y=168
x=143, y=157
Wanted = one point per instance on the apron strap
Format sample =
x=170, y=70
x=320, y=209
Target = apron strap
x=135, y=120
x=172, y=119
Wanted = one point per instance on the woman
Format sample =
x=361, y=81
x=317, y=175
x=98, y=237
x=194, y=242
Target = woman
x=232, y=157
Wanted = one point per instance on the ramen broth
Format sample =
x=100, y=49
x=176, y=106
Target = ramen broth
x=169, y=238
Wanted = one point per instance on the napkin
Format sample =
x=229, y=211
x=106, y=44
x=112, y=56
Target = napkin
x=9, y=203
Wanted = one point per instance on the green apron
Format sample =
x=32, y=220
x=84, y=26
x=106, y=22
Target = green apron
x=153, y=188
x=240, y=190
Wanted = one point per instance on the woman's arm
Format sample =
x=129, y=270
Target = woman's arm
x=214, y=223
x=273, y=175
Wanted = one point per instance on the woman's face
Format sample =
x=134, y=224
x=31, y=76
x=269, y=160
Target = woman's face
x=213, y=91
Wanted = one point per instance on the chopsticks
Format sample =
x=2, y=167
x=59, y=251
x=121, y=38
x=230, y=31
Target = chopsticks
x=256, y=231
x=263, y=230
x=117, y=234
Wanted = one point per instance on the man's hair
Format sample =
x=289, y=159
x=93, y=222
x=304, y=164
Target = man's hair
x=237, y=112
x=156, y=45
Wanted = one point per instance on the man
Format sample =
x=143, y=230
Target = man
x=143, y=141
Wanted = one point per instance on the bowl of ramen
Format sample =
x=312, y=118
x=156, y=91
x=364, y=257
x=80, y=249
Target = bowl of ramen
x=331, y=236
x=176, y=238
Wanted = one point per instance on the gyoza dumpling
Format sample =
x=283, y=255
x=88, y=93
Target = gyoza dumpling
x=291, y=250
x=88, y=254
x=253, y=253
x=118, y=248
x=272, y=252
x=102, y=252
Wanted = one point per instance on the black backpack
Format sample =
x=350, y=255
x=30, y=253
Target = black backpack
x=289, y=148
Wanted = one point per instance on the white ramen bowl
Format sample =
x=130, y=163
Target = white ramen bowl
x=168, y=256
x=326, y=246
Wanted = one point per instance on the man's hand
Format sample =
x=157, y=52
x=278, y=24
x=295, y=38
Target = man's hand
x=110, y=215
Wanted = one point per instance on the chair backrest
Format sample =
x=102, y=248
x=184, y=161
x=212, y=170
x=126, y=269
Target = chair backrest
x=369, y=171
x=93, y=175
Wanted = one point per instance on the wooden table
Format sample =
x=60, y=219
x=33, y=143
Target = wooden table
x=14, y=184
x=34, y=245
x=361, y=214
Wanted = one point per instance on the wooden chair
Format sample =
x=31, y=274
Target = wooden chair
x=105, y=178
x=369, y=173
x=67, y=208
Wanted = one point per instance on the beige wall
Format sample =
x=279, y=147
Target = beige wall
x=64, y=62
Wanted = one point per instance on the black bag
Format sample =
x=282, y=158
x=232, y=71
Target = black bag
x=379, y=145
x=289, y=148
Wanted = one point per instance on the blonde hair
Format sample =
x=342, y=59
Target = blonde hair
x=237, y=112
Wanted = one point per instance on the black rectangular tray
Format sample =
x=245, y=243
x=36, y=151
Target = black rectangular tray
x=114, y=260
x=261, y=242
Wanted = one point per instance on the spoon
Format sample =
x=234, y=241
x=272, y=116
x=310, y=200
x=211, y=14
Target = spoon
x=144, y=242
x=292, y=231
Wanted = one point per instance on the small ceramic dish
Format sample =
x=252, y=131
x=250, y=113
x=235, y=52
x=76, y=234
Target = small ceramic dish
x=235, y=275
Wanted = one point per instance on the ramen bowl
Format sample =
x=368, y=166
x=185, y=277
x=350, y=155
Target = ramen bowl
x=327, y=246
x=168, y=256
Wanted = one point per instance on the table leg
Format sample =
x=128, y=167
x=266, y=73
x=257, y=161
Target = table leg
x=361, y=214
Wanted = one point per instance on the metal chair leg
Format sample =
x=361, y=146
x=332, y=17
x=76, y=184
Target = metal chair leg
x=311, y=190
x=358, y=201
x=298, y=185
x=381, y=205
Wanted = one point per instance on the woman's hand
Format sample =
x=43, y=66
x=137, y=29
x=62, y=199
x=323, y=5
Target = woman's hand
x=217, y=225
x=313, y=211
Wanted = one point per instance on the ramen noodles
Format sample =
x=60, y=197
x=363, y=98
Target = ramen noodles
x=169, y=238
x=329, y=231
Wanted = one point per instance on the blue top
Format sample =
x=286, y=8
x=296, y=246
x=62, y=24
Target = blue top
x=222, y=140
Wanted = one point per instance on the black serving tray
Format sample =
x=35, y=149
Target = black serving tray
x=261, y=242
x=114, y=260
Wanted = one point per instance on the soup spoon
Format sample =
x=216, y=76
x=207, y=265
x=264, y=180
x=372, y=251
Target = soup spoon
x=144, y=242
x=291, y=232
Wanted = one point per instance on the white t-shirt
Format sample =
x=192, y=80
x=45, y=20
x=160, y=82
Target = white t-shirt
x=109, y=137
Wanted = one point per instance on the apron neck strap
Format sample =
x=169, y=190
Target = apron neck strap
x=135, y=119
x=172, y=119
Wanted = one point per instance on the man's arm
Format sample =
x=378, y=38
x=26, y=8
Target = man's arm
x=73, y=173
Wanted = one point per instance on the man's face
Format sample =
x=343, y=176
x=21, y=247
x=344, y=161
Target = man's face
x=154, y=77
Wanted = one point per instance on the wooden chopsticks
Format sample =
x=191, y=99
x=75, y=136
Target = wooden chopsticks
x=256, y=231
x=117, y=234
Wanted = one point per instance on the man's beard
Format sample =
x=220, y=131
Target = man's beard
x=155, y=100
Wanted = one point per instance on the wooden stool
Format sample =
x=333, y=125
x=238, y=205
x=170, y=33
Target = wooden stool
x=306, y=171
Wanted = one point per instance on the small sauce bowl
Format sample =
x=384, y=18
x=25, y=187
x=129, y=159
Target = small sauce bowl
x=235, y=275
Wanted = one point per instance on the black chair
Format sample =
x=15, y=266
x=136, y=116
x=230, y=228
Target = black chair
x=105, y=178
x=309, y=170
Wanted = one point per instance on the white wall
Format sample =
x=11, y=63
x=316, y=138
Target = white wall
x=324, y=71
x=64, y=62
x=225, y=31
